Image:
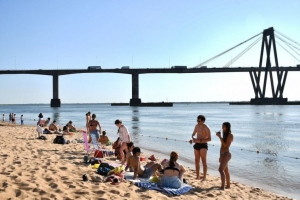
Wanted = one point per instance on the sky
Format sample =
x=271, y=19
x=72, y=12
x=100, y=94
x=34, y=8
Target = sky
x=75, y=34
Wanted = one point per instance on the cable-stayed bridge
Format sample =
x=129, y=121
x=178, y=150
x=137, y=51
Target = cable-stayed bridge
x=259, y=75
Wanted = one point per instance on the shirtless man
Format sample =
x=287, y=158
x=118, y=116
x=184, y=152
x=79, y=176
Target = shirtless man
x=53, y=126
x=200, y=146
x=138, y=170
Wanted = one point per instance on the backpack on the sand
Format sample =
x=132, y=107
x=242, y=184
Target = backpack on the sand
x=104, y=168
x=59, y=140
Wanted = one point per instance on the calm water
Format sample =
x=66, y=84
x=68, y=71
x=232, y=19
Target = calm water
x=274, y=131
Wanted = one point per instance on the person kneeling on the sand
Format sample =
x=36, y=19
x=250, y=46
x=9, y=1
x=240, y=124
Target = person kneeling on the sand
x=139, y=171
x=172, y=173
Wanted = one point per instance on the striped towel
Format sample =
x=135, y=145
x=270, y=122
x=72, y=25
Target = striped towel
x=153, y=186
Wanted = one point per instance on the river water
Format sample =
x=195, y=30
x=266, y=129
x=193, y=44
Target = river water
x=265, y=150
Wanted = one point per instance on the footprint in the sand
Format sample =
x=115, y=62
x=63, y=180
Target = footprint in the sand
x=63, y=168
x=99, y=192
x=53, y=185
x=64, y=178
x=72, y=186
x=5, y=173
x=210, y=195
x=145, y=196
x=49, y=179
x=13, y=177
x=82, y=192
x=4, y=184
x=127, y=195
x=114, y=191
x=18, y=193
x=58, y=191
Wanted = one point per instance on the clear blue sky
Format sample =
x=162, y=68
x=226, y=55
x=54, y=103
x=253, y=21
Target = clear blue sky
x=73, y=34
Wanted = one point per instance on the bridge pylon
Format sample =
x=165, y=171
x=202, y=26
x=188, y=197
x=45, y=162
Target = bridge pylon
x=268, y=41
x=55, y=102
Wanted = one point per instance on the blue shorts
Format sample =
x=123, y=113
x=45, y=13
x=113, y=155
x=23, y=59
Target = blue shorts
x=170, y=182
x=96, y=133
x=147, y=173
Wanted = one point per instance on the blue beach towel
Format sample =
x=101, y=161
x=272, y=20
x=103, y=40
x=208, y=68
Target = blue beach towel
x=153, y=186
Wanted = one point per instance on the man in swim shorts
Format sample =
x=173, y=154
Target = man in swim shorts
x=200, y=147
x=139, y=171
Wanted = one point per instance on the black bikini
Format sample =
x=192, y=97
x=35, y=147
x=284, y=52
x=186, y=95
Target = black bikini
x=170, y=168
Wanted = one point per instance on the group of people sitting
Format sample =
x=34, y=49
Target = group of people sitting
x=169, y=172
x=53, y=128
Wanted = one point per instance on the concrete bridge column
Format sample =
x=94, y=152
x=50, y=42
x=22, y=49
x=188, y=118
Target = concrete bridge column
x=55, y=102
x=135, y=100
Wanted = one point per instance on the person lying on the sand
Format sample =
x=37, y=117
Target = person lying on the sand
x=139, y=171
x=53, y=126
x=172, y=173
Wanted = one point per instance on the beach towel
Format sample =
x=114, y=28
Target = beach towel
x=154, y=186
x=129, y=177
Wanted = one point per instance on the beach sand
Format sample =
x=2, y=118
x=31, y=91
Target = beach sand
x=31, y=168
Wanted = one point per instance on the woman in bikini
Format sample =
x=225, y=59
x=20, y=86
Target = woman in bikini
x=124, y=138
x=172, y=173
x=93, y=123
x=225, y=155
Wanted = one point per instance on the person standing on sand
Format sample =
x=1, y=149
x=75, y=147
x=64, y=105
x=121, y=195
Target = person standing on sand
x=124, y=139
x=200, y=146
x=10, y=117
x=13, y=118
x=225, y=155
x=93, y=123
x=22, y=120
x=3, y=118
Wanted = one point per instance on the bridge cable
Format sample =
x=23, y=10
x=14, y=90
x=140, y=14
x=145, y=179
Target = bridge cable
x=242, y=53
x=288, y=51
x=225, y=52
x=277, y=36
x=288, y=44
x=287, y=37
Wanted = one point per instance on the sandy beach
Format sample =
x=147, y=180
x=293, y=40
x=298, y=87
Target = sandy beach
x=38, y=169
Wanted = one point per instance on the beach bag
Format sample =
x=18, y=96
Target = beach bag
x=104, y=168
x=59, y=140
x=98, y=154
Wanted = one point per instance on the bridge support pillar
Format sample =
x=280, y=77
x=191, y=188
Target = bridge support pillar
x=135, y=100
x=55, y=102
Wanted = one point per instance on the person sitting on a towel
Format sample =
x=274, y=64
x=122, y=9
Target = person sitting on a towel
x=139, y=171
x=172, y=173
